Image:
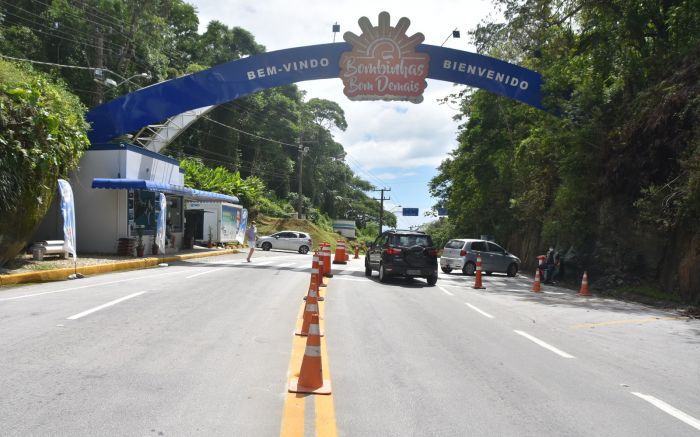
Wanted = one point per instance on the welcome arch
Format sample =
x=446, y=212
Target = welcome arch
x=383, y=63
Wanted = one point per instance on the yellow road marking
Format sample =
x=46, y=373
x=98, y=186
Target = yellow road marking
x=293, y=413
x=625, y=322
x=325, y=410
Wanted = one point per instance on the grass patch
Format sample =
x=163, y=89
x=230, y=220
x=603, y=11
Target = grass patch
x=650, y=292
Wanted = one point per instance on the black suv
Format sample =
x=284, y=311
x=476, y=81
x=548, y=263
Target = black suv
x=403, y=253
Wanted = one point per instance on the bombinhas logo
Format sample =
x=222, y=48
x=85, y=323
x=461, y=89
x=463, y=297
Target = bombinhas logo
x=383, y=63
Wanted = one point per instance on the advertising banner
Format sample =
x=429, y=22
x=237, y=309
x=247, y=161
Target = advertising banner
x=68, y=212
x=160, y=224
x=230, y=219
x=240, y=235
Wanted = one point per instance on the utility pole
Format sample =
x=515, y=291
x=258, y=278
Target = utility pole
x=381, y=206
x=301, y=161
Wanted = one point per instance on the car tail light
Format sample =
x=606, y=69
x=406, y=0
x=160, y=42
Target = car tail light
x=393, y=251
x=432, y=252
x=462, y=252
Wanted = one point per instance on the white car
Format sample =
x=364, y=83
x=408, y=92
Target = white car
x=286, y=240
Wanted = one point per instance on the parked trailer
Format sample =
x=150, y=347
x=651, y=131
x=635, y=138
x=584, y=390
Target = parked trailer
x=218, y=222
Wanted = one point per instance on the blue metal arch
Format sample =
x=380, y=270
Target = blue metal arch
x=226, y=82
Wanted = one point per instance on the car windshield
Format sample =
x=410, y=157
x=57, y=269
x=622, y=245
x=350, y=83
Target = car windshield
x=412, y=240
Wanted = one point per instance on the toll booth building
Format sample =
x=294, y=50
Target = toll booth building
x=116, y=195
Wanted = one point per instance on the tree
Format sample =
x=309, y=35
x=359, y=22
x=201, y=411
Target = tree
x=42, y=137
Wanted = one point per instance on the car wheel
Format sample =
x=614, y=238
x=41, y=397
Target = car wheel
x=446, y=269
x=368, y=269
x=303, y=250
x=432, y=280
x=512, y=270
x=383, y=277
x=469, y=269
x=266, y=246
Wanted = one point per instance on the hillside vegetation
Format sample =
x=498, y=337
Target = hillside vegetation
x=610, y=173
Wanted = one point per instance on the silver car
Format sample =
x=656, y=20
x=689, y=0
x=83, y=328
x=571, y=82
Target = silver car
x=286, y=240
x=460, y=254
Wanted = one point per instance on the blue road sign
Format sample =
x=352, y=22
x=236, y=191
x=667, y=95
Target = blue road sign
x=408, y=212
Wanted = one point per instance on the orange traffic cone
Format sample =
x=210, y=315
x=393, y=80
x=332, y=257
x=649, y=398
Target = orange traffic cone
x=316, y=275
x=477, y=283
x=310, y=308
x=584, y=285
x=340, y=253
x=326, y=251
x=537, y=285
x=310, y=378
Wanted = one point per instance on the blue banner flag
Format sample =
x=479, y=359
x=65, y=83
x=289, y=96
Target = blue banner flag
x=160, y=224
x=68, y=211
x=240, y=235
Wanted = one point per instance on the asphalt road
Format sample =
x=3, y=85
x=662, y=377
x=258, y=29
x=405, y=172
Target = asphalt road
x=203, y=348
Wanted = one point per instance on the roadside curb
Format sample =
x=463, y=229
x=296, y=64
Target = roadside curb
x=62, y=274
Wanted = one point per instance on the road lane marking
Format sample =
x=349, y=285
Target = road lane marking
x=445, y=291
x=293, y=415
x=108, y=304
x=626, y=322
x=543, y=344
x=93, y=285
x=346, y=278
x=663, y=406
x=483, y=313
x=201, y=273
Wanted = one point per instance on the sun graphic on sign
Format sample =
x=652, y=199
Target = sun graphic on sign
x=383, y=63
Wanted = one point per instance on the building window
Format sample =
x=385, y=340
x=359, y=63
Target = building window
x=145, y=213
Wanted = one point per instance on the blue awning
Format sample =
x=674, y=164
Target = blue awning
x=141, y=184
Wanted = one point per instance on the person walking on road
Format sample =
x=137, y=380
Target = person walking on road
x=250, y=235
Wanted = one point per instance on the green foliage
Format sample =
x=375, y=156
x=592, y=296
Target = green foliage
x=220, y=180
x=623, y=153
x=42, y=137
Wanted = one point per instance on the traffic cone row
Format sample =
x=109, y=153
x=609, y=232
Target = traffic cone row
x=310, y=378
x=477, y=283
x=537, y=285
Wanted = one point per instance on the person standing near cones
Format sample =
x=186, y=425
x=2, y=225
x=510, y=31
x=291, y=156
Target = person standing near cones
x=250, y=236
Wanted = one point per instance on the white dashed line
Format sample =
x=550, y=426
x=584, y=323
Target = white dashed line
x=483, y=313
x=663, y=406
x=543, y=344
x=108, y=304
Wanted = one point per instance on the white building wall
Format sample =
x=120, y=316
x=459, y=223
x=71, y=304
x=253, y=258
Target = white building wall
x=101, y=214
x=97, y=211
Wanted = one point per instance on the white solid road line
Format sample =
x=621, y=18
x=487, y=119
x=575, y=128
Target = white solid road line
x=92, y=285
x=108, y=304
x=445, y=291
x=202, y=273
x=678, y=414
x=543, y=344
x=484, y=313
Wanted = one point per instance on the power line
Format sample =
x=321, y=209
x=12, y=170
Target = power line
x=251, y=134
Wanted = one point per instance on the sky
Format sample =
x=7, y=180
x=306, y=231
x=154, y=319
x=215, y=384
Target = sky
x=395, y=145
